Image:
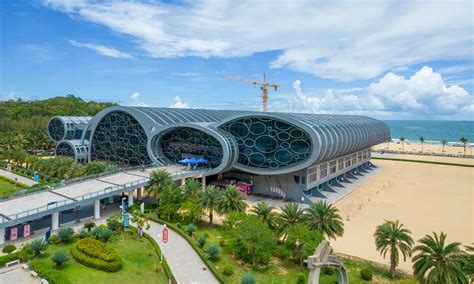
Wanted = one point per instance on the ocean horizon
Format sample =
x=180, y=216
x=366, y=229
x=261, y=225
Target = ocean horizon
x=432, y=130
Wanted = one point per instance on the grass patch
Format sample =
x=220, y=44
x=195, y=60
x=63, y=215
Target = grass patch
x=8, y=186
x=130, y=249
x=280, y=271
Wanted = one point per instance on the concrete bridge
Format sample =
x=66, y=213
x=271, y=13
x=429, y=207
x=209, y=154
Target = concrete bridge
x=90, y=191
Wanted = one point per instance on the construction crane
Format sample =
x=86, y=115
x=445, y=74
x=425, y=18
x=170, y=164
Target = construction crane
x=263, y=86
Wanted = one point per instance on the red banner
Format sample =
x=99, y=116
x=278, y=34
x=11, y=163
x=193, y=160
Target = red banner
x=165, y=235
x=13, y=234
x=26, y=230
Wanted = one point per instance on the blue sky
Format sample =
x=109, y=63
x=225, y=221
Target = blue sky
x=390, y=60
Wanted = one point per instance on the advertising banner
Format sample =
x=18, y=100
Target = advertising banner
x=13, y=234
x=26, y=230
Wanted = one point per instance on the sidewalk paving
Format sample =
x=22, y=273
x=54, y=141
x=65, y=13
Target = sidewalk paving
x=19, y=178
x=184, y=262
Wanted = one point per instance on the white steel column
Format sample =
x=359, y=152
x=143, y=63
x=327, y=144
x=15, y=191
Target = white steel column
x=2, y=236
x=203, y=182
x=97, y=209
x=54, y=221
x=130, y=198
x=183, y=182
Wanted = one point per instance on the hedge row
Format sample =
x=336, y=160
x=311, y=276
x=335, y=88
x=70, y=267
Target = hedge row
x=48, y=273
x=165, y=265
x=193, y=244
x=424, y=162
x=12, y=181
x=85, y=255
x=22, y=254
x=97, y=249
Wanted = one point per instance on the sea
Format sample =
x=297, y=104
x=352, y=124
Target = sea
x=432, y=130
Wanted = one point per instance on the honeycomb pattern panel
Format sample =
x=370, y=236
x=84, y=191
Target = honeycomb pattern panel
x=119, y=138
x=268, y=143
x=65, y=150
x=188, y=142
x=56, y=129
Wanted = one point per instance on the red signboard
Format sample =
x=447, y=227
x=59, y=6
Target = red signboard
x=165, y=235
x=26, y=230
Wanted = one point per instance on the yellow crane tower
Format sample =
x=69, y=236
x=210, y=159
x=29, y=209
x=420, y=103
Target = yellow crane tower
x=263, y=86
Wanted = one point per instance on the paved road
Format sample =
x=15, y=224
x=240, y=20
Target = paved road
x=21, y=179
x=186, y=265
x=18, y=276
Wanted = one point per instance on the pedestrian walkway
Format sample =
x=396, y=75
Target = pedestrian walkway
x=185, y=263
x=18, y=178
x=17, y=275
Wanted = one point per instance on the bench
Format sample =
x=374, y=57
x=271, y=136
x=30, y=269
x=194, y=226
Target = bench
x=34, y=274
x=16, y=261
x=44, y=281
x=25, y=267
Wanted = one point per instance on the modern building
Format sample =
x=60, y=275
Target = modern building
x=283, y=155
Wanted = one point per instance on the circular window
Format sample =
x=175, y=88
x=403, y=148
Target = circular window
x=283, y=156
x=299, y=146
x=257, y=158
x=266, y=143
x=257, y=128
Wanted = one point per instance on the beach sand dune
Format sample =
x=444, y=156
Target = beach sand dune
x=424, y=197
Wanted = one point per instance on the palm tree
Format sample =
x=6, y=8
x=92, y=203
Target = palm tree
x=437, y=263
x=37, y=246
x=389, y=140
x=192, y=187
x=323, y=217
x=402, y=139
x=231, y=201
x=444, y=143
x=265, y=212
x=159, y=179
x=208, y=199
x=422, y=141
x=464, y=143
x=291, y=214
x=392, y=237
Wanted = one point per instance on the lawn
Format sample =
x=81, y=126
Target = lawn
x=130, y=248
x=279, y=271
x=8, y=187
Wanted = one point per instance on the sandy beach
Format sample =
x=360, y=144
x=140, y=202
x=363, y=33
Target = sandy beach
x=415, y=148
x=424, y=197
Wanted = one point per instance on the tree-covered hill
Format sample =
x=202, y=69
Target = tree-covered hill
x=23, y=123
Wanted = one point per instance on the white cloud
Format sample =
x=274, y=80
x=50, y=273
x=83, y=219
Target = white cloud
x=340, y=40
x=136, y=100
x=455, y=69
x=135, y=96
x=423, y=94
x=178, y=103
x=103, y=50
x=15, y=96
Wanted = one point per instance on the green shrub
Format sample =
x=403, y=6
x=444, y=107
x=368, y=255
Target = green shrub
x=222, y=242
x=8, y=249
x=53, y=239
x=115, y=223
x=105, y=234
x=366, y=274
x=301, y=278
x=9, y=257
x=48, y=273
x=83, y=234
x=206, y=234
x=59, y=257
x=228, y=269
x=247, y=278
x=191, y=229
x=201, y=240
x=328, y=270
x=65, y=234
x=95, y=254
x=37, y=246
x=212, y=251
x=89, y=226
x=283, y=253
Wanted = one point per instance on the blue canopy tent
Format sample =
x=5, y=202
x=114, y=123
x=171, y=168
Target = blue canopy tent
x=185, y=161
x=202, y=161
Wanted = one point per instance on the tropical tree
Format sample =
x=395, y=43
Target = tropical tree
x=291, y=214
x=159, y=180
x=37, y=246
x=59, y=257
x=208, y=198
x=141, y=220
x=443, y=143
x=302, y=241
x=391, y=237
x=231, y=201
x=323, y=217
x=192, y=187
x=422, y=142
x=388, y=141
x=464, y=143
x=265, y=212
x=402, y=139
x=435, y=262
